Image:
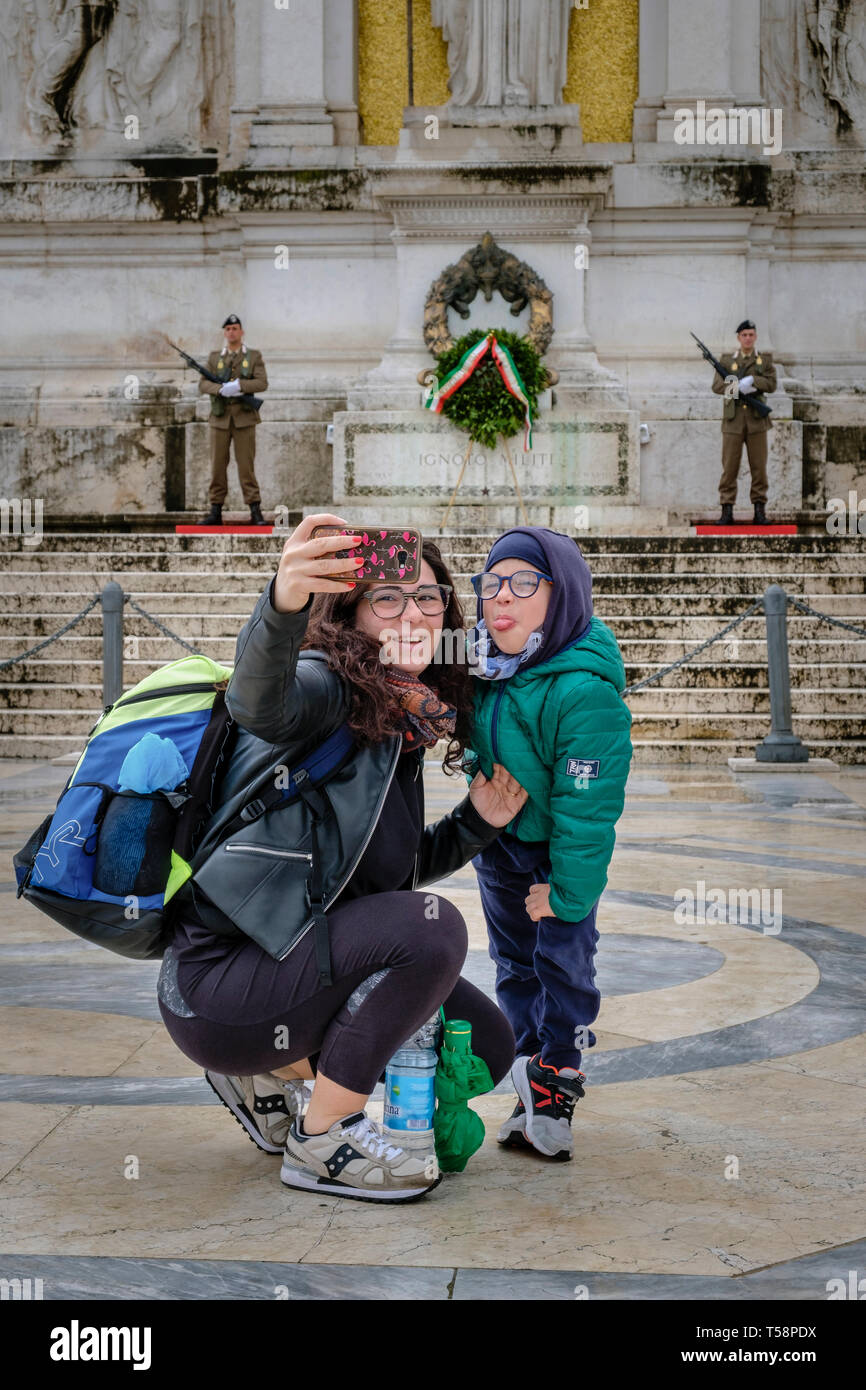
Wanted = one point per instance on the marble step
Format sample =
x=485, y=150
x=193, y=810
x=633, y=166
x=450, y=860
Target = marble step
x=159, y=649
x=672, y=700
x=699, y=594
x=463, y=543
x=118, y=556
x=467, y=538
x=611, y=604
x=655, y=699
x=715, y=752
x=674, y=727
x=701, y=674
x=238, y=594
x=647, y=750
x=27, y=628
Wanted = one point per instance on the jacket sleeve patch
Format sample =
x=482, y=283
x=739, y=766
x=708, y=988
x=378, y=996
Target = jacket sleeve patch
x=582, y=767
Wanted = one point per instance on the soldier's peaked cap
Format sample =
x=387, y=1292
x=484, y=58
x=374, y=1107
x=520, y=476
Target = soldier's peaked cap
x=232, y=318
x=747, y=323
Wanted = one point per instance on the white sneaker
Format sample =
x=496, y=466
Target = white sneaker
x=354, y=1159
x=265, y=1105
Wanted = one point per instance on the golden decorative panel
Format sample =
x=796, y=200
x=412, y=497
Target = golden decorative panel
x=602, y=66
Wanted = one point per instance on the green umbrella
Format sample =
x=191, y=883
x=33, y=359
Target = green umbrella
x=459, y=1075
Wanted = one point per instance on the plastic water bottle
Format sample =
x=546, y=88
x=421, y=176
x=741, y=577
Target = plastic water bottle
x=409, y=1094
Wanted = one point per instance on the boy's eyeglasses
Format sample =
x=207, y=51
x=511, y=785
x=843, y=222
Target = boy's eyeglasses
x=523, y=584
x=390, y=603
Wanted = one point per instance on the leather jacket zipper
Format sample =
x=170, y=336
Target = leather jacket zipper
x=415, y=866
x=265, y=849
x=398, y=743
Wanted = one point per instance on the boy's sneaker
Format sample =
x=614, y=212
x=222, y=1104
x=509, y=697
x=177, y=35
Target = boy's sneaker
x=265, y=1105
x=512, y=1135
x=548, y=1095
x=354, y=1159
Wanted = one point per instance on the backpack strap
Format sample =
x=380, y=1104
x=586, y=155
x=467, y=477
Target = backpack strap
x=305, y=782
x=313, y=770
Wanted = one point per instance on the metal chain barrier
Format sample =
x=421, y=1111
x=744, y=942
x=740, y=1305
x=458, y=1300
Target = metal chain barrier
x=696, y=651
x=638, y=685
x=127, y=598
x=825, y=617
x=54, y=636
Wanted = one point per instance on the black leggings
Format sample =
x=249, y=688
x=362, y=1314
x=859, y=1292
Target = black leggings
x=256, y=1014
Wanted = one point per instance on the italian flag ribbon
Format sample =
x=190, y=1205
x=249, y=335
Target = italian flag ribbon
x=442, y=390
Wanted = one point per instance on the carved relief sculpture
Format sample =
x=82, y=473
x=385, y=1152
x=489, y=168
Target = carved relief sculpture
x=813, y=59
x=72, y=73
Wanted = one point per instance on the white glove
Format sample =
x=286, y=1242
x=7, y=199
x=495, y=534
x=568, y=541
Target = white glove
x=231, y=388
x=747, y=386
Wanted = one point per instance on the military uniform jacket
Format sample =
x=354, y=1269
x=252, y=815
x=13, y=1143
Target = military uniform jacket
x=758, y=365
x=249, y=368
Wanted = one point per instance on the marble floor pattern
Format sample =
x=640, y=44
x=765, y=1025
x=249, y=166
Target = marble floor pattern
x=719, y=1148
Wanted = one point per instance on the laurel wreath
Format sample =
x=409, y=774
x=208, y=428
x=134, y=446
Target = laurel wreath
x=483, y=406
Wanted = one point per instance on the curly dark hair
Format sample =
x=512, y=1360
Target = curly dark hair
x=373, y=712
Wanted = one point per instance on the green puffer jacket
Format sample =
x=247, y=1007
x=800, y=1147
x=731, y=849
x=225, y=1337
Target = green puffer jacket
x=563, y=731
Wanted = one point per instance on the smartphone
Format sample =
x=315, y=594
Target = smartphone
x=388, y=553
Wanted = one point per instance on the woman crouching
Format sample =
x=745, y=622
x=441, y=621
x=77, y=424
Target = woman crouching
x=253, y=988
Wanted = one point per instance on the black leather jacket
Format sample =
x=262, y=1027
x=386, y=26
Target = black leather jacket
x=286, y=703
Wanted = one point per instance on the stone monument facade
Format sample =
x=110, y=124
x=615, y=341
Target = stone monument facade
x=166, y=163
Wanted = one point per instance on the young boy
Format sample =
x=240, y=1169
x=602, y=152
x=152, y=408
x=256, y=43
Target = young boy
x=548, y=705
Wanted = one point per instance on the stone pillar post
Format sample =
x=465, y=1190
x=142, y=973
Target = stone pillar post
x=292, y=107
x=692, y=50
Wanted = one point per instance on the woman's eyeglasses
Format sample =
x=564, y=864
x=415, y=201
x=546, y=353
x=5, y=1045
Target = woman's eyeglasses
x=523, y=584
x=390, y=603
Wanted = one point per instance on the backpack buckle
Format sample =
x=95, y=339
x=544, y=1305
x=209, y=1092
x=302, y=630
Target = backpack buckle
x=253, y=810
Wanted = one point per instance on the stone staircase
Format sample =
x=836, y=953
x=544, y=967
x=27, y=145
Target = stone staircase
x=662, y=596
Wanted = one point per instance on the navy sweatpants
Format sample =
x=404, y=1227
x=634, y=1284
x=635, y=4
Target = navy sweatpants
x=545, y=970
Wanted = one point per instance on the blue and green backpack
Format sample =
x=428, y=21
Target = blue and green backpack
x=108, y=862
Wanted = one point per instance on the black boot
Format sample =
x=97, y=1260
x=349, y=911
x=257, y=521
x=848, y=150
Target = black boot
x=256, y=517
x=760, y=517
x=214, y=516
x=727, y=516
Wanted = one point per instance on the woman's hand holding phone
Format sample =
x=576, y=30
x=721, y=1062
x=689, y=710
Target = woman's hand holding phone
x=307, y=567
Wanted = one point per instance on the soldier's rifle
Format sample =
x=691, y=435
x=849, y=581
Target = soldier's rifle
x=759, y=408
x=251, y=402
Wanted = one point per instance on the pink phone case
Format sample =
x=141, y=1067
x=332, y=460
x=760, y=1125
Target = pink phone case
x=388, y=553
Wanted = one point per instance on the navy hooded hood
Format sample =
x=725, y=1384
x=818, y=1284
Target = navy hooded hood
x=569, y=611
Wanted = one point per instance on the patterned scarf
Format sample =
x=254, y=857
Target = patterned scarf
x=426, y=718
x=488, y=663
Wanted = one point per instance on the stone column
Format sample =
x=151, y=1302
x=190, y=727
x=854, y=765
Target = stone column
x=292, y=105
x=693, y=50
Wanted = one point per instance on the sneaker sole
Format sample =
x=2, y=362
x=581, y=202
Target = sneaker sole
x=524, y=1091
x=309, y=1182
x=236, y=1106
x=515, y=1140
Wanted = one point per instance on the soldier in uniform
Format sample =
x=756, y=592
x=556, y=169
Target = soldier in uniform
x=755, y=374
x=242, y=371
